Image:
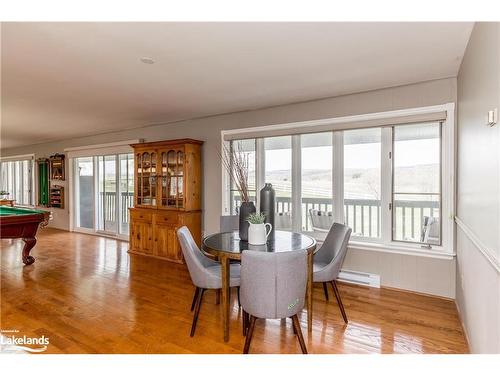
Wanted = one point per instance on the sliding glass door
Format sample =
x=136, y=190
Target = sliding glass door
x=108, y=204
x=104, y=190
x=84, y=193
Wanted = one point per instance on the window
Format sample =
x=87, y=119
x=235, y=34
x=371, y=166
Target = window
x=390, y=184
x=246, y=149
x=316, y=187
x=362, y=181
x=417, y=183
x=278, y=172
x=17, y=180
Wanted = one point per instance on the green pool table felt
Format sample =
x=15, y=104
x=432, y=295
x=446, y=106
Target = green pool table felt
x=15, y=211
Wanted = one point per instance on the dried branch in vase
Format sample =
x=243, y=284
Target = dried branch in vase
x=235, y=162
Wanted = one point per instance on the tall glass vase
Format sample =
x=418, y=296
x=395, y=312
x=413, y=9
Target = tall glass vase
x=246, y=209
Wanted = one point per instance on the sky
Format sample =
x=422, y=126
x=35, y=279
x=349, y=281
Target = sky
x=367, y=155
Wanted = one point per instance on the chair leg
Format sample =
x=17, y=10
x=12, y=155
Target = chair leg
x=197, y=311
x=325, y=289
x=239, y=303
x=195, y=297
x=249, y=334
x=296, y=325
x=245, y=322
x=293, y=327
x=217, y=296
x=339, y=300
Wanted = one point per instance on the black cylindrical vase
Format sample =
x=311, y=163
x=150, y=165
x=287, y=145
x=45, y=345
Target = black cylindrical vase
x=246, y=209
x=267, y=198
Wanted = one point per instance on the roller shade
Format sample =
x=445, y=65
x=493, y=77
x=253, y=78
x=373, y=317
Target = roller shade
x=336, y=124
x=18, y=157
x=122, y=147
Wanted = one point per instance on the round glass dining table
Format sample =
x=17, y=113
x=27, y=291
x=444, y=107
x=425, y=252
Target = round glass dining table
x=226, y=246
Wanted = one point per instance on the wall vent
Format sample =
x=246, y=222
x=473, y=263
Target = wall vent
x=360, y=278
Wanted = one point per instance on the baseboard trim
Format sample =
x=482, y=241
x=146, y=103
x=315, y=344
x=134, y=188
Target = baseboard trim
x=418, y=293
x=390, y=288
x=488, y=253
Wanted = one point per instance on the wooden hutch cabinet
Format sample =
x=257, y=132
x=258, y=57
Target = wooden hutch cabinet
x=167, y=196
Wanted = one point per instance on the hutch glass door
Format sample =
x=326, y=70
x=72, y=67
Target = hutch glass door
x=172, y=178
x=146, y=179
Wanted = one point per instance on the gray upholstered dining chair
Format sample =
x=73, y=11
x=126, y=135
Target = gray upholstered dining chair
x=229, y=223
x=329, y=258
x=321, y=221
x=273, y=286
x=205, y=273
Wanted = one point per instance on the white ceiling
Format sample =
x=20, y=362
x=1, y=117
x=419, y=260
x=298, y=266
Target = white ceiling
x=64, y=80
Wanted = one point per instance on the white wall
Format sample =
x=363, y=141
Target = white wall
x=417, y=274
x=478, y=191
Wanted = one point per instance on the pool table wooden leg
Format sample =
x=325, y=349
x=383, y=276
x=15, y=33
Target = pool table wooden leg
x=29, y=243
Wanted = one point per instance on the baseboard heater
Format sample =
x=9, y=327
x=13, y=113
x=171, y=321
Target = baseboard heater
x=360, y=278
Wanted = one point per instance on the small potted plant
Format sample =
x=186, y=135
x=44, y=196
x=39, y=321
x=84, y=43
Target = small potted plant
x=257, y=234
x=4, y=195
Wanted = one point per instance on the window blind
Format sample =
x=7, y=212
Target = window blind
x=122, y=147
x=17, y=158
x=327, y=125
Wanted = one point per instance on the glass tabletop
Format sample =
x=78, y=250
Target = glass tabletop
x=282, y=241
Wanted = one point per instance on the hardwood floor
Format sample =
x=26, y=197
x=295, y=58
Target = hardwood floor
x=88, y=295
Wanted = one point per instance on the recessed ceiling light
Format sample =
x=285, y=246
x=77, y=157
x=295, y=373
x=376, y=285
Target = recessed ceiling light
x=147, y=60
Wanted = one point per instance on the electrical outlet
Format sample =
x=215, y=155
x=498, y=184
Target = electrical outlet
x=492, y=117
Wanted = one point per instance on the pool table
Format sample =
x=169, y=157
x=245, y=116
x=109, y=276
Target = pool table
x=17, y=222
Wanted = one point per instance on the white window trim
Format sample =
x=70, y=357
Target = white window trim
x=72, y=191
x=296, y=182
x=18, y=157
x=386, y=244
x=338, y=183
x=386, y=187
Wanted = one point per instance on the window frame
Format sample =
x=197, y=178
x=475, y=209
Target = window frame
x=385, y=243
x=340, y=171
x=334, y=157
x=295, y=168
x=440, y=194
x=31, y=178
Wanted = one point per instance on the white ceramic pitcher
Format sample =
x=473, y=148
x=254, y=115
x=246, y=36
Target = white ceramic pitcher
x=257, y=234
